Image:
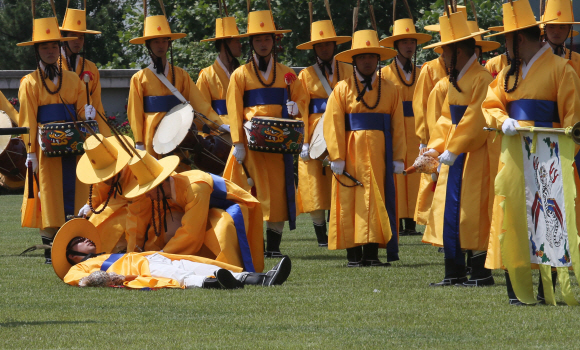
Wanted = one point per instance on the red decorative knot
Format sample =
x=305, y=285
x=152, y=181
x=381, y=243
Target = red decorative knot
x=368, y=43
x=261, y=24
x=559, y=13
x=321, y=33
x=407, y=29
x=48, y=31
x=159, y=28
x=79, y=23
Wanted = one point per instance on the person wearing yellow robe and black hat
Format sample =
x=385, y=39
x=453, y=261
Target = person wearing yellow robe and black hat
x=459, y=217
x=362, y=124
x=80, y=261
x=259, y=89
x=155, y=90
x=559, y=29
x=318, y=80
x=57, y=193
x=74, y=24
x=213, y=81
x=403, y=72
x=514, y=100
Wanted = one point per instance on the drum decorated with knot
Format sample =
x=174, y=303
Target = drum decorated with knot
x=276, y=135
x=63, y=139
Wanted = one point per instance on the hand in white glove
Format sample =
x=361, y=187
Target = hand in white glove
x=337, y=166
x=90, y=112
x=31, y=159
x=422, y=148
x=448, y=158
x=509, y=127
x=432, y=153
x=85, y=210
x=305, y=155
x=239, y=152
x=398, y=166
x=140, y=146
x=292, y=108
x=224, y=128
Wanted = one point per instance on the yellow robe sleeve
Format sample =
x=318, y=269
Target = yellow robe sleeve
x=200, y=103
x=28, y=112
x=299, y=95
x=568, y=98
x=135, y=111
x=398, y=127
x=423, y=88
x=99, y=194
x=235, y=104
x=438, y=111
x=334, y=128
x=435, y=104
x=303, y=78
x=203, y=85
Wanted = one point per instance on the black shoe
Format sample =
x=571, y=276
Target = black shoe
x=223, y=280
x=48, y=261
x=441, y=250
x=355, y=264
x=516, y=302
x=375, y=263
x=273, y=240
x=47, y=252
x=480, y=276
x=448, y=282
x=483, y=282
x=321, y=236
x=279, y=273
x=277, y=254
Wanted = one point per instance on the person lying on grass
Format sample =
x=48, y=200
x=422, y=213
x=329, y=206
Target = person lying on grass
x=76, y=262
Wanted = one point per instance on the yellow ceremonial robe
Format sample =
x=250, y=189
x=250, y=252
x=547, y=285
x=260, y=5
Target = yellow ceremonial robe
x=50, y=205
x=145, y=83
x=358, y=214
x=136, y=264
x=94, y=90
x=496, y=64
x=213, y=84
x=561, y=84
x=407, y=185
x=314, y=185
x=471, y=176
x=431, y=73
x=266, y=169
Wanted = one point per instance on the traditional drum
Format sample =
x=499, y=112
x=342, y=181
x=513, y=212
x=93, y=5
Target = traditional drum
x=317, y=142
x=12, y=159
x=62, y=139
x=276, y=135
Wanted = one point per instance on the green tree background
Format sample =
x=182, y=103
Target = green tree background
x=122, y=20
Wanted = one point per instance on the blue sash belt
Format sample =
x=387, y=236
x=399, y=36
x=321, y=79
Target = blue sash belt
x=220, y=107
x=267, y=96
x=60, y=112
x=218, y=200
x=154, y=104
x=317, y=105
x=381, y=122
x=408, y=109
x=110, y=261
x=542, y=112
x=452, y=213
x=277, y=96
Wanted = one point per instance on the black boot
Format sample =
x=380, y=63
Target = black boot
x=223, y=280
x=454, y=273
x=273, y=240
x=321, y=236
x=410, y=227
x=513, y=300
x=480, y=276
x=468, y=262
x=354, y=256
x=47, y=252
x=275, y=277
x=540, y=296
x=370, y=255
x=402, y=231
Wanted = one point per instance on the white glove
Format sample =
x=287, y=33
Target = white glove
x=140, y=146
x=432, y=153
x=292, y=108
x=305, y=155
x=90, y=112
x=224, y=128
x=447, y=158
x=398, y=166
x=85, y=210
x=31, y=159
x=509, y=127
x=239, y=152
x=337, y=166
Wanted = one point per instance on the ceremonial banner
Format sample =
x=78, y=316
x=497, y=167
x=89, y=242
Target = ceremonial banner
x=539, y=226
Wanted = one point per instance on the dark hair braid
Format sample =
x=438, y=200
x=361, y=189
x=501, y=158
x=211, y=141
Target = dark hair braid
x=358, y=89
x=68, y=63
x=453, y=73
x=514, y=67
x=172, y=65
x=115, y=188
x=43, y=77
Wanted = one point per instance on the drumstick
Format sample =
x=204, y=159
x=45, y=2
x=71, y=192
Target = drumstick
x=14, y=131
x=119, y=139
x=73, y=118
x=352, y=178
x=86, y=79
x=250, y=181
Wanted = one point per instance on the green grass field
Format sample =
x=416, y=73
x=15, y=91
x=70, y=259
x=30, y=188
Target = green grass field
x=322, y=305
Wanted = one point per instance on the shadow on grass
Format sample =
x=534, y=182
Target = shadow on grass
x=321, y=257
x=13, y=324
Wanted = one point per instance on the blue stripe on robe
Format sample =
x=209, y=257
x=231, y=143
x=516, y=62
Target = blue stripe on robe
x=155, y=104
x=317, y=105
x=110, y=261
x=408, y=109
x=542, y=112
x=220, y=107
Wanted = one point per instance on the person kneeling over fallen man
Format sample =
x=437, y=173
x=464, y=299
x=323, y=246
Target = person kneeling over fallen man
x=77, y=262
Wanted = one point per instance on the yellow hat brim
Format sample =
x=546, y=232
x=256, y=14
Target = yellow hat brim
x=169, y=165
x=271, y=32
x=89, y=175
x=385, y=53
x=433, y=28
x=421, y=38
x=521, y=28
x=239, y=36
x=68, y=231
x=485, y=45
x=79, y=31
x=310, y=44
x=29, y=43
x=439, y=44
x=143, y=39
